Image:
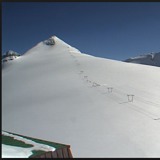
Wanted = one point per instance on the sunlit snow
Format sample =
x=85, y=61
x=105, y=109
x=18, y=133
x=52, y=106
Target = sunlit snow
x=59, y=94
x=20, y=152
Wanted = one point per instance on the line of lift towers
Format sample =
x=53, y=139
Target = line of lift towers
x=130, y=96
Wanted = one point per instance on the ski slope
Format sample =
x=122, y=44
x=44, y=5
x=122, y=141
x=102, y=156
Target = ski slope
x=59, y=94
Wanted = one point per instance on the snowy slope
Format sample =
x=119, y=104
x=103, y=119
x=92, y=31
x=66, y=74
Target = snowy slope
x=57, y=93
x=152, y=59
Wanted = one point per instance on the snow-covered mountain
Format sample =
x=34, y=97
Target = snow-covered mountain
x=101, y=107
x=152, y=59
x=9, y=55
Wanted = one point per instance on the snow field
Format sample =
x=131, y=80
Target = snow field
x=59, y=94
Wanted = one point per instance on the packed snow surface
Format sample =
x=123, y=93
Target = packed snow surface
x=100, y=107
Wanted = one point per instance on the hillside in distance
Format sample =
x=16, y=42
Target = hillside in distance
x=152, y=59
x=56, y=93
x=9, y=56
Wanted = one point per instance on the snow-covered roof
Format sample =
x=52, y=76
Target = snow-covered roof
x=18, y=146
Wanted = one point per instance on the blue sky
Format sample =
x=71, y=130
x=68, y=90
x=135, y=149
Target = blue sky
x=114, y=30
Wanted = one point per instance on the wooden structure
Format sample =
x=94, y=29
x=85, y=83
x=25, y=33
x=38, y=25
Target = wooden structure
x=64, y=152
x=23, y=142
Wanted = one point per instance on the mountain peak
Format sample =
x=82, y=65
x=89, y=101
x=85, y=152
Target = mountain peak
x=53, y=89
x=50, y=41
x=11, y=52
x=54, y=40
x=152, y=59
x=9, y=55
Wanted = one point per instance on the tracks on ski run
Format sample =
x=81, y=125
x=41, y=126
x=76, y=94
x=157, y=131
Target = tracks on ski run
x=139, y=104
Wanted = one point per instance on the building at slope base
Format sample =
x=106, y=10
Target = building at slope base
x=38, y=148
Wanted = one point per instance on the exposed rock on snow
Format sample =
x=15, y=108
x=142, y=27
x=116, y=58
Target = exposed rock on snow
x=9, y=55
x=50, y=41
